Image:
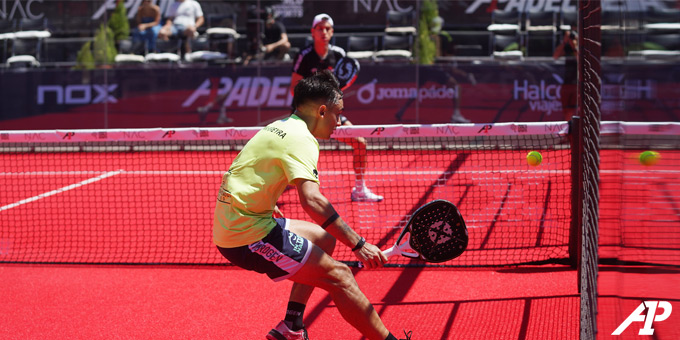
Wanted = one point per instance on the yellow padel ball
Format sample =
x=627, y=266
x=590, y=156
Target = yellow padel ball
x=649, y=158
x=534, y=158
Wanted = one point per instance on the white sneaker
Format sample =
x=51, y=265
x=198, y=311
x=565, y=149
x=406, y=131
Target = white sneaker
x=203, y=112
x=223, y=119
x=459, y=119
x=282, y=332
x=365, y=195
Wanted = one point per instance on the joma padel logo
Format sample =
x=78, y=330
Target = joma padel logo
x=648, y=318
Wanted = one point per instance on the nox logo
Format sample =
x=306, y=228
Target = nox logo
x=68, y=135
x=168, y=134
x=377, y=131
x=649, y=318
x=485, y=129
x=78, y=94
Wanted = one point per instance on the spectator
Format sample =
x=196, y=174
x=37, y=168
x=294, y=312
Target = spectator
x=184, y=18
x=148, y=20
x=274, y=44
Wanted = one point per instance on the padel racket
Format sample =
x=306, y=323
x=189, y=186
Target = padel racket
x=436, y=232
x=346, y=71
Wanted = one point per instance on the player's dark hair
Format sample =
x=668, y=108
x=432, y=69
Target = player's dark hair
x=321, y=86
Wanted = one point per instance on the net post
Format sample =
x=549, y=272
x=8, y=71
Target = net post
x=589, y=100
x=576, y=227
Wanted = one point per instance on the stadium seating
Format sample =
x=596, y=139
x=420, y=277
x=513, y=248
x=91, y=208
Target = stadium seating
x=167, y=51
x=506, y=34
x=27, y=42
x=362, y=47
x=400, y=23
x=507, y=47
x=395, y=47
x=6, y=36
x=221, y=36
x=662, y=21
x=541, y=31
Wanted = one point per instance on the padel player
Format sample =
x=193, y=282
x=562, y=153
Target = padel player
x=246, y=233
x=321, y=55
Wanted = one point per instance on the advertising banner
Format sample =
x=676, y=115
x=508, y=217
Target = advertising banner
x=383, y=94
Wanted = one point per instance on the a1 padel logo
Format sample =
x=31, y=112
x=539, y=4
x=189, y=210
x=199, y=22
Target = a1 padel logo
x=648, y=318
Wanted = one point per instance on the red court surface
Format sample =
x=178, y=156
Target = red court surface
x=169, y=302
x=152, y=302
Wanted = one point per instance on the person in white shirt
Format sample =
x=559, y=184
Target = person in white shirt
x=183, y=17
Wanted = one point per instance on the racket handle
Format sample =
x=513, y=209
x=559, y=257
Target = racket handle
x=391, y=252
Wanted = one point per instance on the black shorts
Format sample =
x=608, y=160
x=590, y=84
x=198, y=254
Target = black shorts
x=280, y=254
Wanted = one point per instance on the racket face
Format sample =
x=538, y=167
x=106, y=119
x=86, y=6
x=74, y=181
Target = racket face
x=346, y=71
x=438, y=232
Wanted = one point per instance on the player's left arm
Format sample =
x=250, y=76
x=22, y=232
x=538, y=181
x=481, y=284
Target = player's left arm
x=200, y=21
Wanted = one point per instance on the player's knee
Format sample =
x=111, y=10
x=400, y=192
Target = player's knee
x=343, y=278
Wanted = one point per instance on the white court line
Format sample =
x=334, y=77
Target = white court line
x=60, y=190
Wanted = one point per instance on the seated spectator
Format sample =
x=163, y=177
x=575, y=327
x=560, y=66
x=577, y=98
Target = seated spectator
x=184, y=18
x=274, y=44
x=148, y=20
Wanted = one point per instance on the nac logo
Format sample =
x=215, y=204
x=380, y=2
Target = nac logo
x=648, y=318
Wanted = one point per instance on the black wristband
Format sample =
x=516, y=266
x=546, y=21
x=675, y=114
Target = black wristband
x=359, y=245
x=330, y=220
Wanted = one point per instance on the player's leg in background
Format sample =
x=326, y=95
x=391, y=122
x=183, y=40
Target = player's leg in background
x=222, y=118
x=400, y=114
x=456, y=115
x=360, y=192
x=403, y=109
x=322, y=271
x=215, y=99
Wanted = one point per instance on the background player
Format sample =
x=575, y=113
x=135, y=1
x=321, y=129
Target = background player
x=321, y=55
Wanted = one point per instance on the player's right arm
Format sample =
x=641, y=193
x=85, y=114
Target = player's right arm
x=317, y=206
x=294, y=79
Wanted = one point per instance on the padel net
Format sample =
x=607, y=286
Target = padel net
x=147, y=196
